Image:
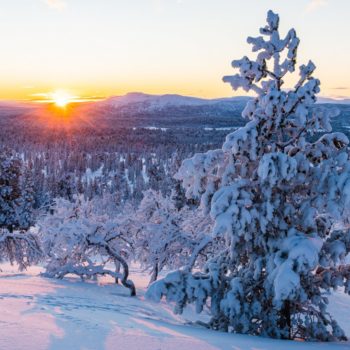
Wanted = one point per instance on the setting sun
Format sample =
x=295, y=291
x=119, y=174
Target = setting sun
x=61, y=98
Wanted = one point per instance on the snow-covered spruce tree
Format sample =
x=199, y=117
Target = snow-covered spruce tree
x=78, y=241
x=16, y=193
x=16, y=213
x=26, y=217
x=274, y=195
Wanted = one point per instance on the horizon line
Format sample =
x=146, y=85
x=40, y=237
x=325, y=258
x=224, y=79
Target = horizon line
x=85, y=99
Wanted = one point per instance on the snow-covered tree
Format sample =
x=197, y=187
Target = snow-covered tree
x=78, y=241
x=18, y=247
x=16, y=193
x=27, y=201
x=16, y=213
x=275, y=191
x=164, y=236
x=159, y=239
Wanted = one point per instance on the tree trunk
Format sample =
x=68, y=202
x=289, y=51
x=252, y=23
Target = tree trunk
x=286, y=322
x=154, y=275
x=124, y=281
x=117, y=257
x=117, y=269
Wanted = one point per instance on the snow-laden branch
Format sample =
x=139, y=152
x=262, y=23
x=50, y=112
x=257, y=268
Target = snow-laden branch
x=22, y=248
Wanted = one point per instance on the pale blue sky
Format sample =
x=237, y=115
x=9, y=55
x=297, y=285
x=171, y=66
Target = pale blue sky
x=108, y=47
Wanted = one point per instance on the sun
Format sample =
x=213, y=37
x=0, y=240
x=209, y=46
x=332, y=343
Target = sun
x=61, y=98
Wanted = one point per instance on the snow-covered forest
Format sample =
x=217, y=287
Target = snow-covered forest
x=179, y=221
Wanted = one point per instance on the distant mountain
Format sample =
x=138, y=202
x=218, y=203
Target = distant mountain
x=147, y=103
x=17, y=105
x=139, y=110
x=139, y=101
x=344, y=101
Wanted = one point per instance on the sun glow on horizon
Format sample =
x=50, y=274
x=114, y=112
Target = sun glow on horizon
x=62, y=98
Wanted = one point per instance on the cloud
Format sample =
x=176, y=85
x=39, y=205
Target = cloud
x=56, y=4
x=40, y=96
x=314, y=5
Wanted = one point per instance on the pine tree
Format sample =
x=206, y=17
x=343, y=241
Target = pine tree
x=16, y=213
x=16, y=193
x=26, y=210
x=10, y=191
x=276, y=190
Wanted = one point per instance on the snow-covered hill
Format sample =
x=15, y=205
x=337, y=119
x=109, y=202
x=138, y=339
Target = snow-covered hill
x=39, y=313
x=146, y=102
x=342, y=101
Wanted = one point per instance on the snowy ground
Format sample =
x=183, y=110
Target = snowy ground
x=39, y=313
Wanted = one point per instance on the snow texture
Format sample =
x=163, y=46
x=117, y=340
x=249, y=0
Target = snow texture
x=45, y=314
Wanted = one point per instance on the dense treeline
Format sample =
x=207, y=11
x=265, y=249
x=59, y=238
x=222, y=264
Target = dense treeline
x=119, y=153
x=93, y=162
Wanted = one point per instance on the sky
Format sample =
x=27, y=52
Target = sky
x=99, y=48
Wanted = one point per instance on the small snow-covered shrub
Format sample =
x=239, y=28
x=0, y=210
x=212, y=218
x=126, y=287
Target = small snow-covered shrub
x=167, y=237
x=78, y=241
x=274, y=191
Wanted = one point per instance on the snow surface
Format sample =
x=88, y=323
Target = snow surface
x=221, y=128
x=40, y=313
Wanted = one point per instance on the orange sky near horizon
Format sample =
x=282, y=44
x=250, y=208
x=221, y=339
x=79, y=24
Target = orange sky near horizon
x=93, y=49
